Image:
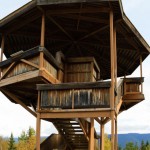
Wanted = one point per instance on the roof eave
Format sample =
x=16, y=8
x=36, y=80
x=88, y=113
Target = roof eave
x=136, y=32
x=17, y=13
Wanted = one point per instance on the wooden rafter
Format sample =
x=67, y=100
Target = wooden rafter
x=60, y=27
x=76, y=10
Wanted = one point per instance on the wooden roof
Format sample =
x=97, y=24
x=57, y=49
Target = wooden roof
x=78, y=28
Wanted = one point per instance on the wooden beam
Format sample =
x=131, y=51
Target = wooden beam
x=83, y=129
x=98, y=120
x=119, y=106
x=91, y=140
x=2, y=51
x=74, y=114
x=30, y=63
x=8, y=70
x=38, y=130
x=112, y=77
x=76, y=11
x=107, y=119
x=102, y=135
x=116, y=135
x=2, y=47
x=141, y=73
x=18, y=101
x=60, y=27
x=43, y=31
x=94, y=32
x=19, y=78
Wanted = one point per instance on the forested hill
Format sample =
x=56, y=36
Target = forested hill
x=132, y=137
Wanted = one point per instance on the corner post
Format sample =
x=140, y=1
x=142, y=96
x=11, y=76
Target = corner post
x=116, y=134
x=141, y=73
x=38, y=124
x=91, y=138
x=112, y=96
x=2, y=50
x=102, y=135
x=42, y=43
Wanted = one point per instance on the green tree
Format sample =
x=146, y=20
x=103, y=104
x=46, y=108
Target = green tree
x=11, y=143
x=27, y=140
x=22, y=137
x=131, y=146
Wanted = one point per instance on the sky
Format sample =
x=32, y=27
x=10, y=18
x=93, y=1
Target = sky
x=15, y=119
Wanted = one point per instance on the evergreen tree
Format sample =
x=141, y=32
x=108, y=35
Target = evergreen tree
x=22, y=137
x=11, y=143
x=131, y=146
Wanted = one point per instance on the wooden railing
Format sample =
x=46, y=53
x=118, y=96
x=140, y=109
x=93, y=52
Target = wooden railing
x=29, y=61
x=75, y=95
x=130, y=88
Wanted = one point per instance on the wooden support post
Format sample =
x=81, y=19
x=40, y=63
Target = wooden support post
x=141, y=73
x=102, y=135
x=38, y=124
x=38, y=129
x=116, y=135
x=43, y=31
x=112, y=78
x=2, y=51
x=91, y=139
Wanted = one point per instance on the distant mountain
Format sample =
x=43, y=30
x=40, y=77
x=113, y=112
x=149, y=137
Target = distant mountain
x=132, y=137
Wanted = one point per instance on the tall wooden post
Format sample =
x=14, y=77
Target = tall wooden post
x=112, y=79
x=116, y=134
x=141, y=73
x=91, y=139
x=2, y=50
x=38, y=124
x=42, y=44
x=102, y=135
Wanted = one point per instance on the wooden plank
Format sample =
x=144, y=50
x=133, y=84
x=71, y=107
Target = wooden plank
x=38, y=130
x=83, y=129
x=75, y=114
x=102, y=135
x=45, y=74
x=112, y=77
x=2, y=51
x=31, y=52
x=75, y=11
x=42, y=30
x=91, y=137
x=82, y=85
x=141, y=73
x=18, y=101
x=8, y=70
x=116, y=135
x=134, y=80
x=19, y=78
x=30, y=63
x=135, y=97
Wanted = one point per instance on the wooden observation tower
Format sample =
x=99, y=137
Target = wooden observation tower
x=59, y=55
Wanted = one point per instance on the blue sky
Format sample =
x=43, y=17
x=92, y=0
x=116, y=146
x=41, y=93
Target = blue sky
x=13, y=118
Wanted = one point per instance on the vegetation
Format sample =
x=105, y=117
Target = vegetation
x=26, y=141
x=11, y=143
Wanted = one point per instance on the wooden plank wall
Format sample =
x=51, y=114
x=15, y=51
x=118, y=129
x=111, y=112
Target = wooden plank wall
x=78, y=98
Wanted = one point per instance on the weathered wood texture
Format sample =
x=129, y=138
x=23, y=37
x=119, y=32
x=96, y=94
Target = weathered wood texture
x=29, y=61
x=81, y=69
x=72, y=97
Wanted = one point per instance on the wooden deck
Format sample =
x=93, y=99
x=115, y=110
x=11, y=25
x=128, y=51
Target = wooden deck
x=92, y=95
